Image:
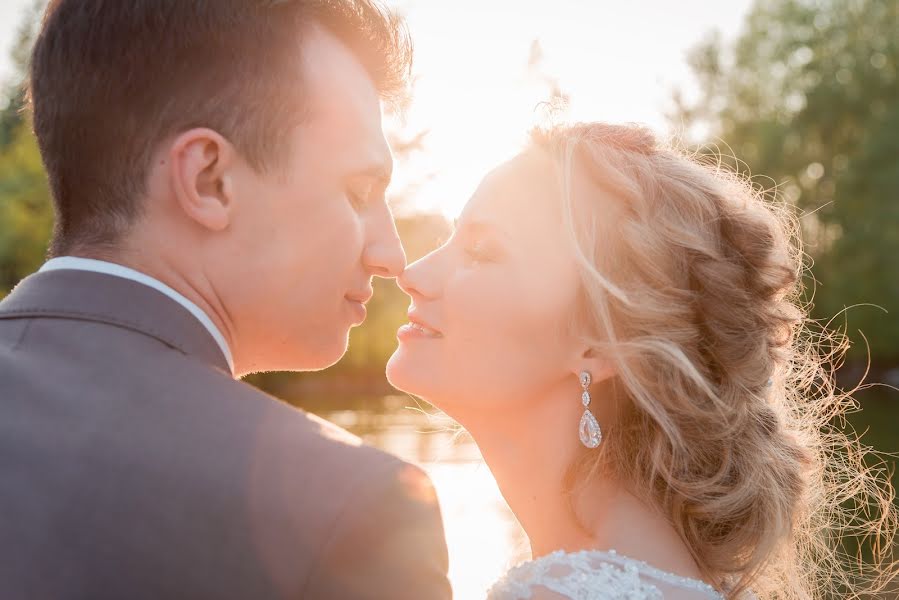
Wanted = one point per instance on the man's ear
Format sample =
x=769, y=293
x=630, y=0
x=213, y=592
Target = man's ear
x=202, y=165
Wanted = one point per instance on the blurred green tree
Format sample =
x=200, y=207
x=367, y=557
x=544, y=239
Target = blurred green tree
x=808, y=95
x=26, y=215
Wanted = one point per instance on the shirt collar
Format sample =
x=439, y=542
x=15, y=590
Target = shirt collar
x=100, y=266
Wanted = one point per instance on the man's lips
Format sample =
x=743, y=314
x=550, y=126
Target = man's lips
x=361, y=297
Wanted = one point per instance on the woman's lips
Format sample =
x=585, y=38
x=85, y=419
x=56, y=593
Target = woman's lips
x=417, y=329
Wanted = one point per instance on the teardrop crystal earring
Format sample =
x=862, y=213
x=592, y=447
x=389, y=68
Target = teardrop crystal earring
x=591, y=434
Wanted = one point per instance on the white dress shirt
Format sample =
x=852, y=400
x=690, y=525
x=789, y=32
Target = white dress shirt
x=101, y=266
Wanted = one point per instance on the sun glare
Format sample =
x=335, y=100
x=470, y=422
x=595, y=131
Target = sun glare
x=484, y=70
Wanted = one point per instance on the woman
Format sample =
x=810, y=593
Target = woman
x=617, y=327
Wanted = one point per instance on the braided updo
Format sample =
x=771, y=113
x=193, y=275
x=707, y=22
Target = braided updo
x=691, y=283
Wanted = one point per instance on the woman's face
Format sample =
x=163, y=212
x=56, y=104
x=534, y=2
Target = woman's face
x=490, y=320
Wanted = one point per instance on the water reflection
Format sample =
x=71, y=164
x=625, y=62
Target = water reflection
x=483, y=537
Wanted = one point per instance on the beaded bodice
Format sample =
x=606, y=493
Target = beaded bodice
x=596, y=575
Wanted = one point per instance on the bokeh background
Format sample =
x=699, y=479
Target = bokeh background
x=804, y=92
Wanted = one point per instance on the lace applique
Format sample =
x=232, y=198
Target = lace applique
x=593, y=575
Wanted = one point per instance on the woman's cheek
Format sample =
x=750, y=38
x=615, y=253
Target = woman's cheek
x=476, y=305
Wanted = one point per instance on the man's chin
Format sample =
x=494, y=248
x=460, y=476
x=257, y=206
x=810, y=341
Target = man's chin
x=324, y=357
x=325, y=354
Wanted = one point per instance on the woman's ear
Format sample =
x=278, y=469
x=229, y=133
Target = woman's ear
x=202, y=165
x=591, y=361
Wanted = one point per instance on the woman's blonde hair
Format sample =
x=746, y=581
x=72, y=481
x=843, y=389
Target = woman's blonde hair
x=692, y=288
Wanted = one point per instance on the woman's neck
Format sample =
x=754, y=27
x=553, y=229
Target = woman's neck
x=530, y=455
x=529, y=459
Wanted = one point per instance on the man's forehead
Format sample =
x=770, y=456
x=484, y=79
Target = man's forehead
x=360, y=148
x=342, y=108
x=335, y=84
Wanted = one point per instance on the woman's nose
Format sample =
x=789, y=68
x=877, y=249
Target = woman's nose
x=422, y=278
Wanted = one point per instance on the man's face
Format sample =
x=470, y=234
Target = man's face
x=309, y=235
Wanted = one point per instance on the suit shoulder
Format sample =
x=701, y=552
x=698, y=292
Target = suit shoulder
x=292, y=437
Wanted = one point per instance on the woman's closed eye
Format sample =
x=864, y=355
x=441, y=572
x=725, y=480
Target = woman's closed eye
x=479, y=242
x=480, y=251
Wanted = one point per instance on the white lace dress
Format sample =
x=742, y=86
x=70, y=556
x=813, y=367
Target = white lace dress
x=595, y=575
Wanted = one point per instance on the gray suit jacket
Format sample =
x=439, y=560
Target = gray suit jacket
x=133, y=466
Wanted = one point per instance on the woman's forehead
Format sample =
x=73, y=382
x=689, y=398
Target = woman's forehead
x=523, y=190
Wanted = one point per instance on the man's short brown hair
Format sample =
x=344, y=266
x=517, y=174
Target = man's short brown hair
x=110, y=80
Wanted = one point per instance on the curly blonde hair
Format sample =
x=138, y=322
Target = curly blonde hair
x=691, y=286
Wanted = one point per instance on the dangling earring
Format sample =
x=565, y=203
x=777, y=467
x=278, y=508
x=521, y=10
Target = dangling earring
x=591, y=434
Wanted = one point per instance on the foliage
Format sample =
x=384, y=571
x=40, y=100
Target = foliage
x=25, y=210
x=808, y=95
x=26, y=216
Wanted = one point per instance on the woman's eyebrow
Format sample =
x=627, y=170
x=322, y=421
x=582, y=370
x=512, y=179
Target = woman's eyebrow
x=481, y=226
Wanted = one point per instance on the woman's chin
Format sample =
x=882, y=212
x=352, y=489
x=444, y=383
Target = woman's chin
x=413, y=377
x=407, y=375
x=397, y=372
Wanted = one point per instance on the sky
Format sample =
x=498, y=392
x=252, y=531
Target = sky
x=11, y=12
x=475, y=95
x=477, y=98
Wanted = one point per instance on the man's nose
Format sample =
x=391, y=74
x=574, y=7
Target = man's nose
x=384, y=255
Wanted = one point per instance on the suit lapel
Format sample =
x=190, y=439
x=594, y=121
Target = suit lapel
x=89, y=296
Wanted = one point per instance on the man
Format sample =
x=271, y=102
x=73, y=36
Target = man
x=218, y=170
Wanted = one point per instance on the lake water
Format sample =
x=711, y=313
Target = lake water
x=483, y=537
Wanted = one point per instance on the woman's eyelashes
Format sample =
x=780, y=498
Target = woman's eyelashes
x=480, y=250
